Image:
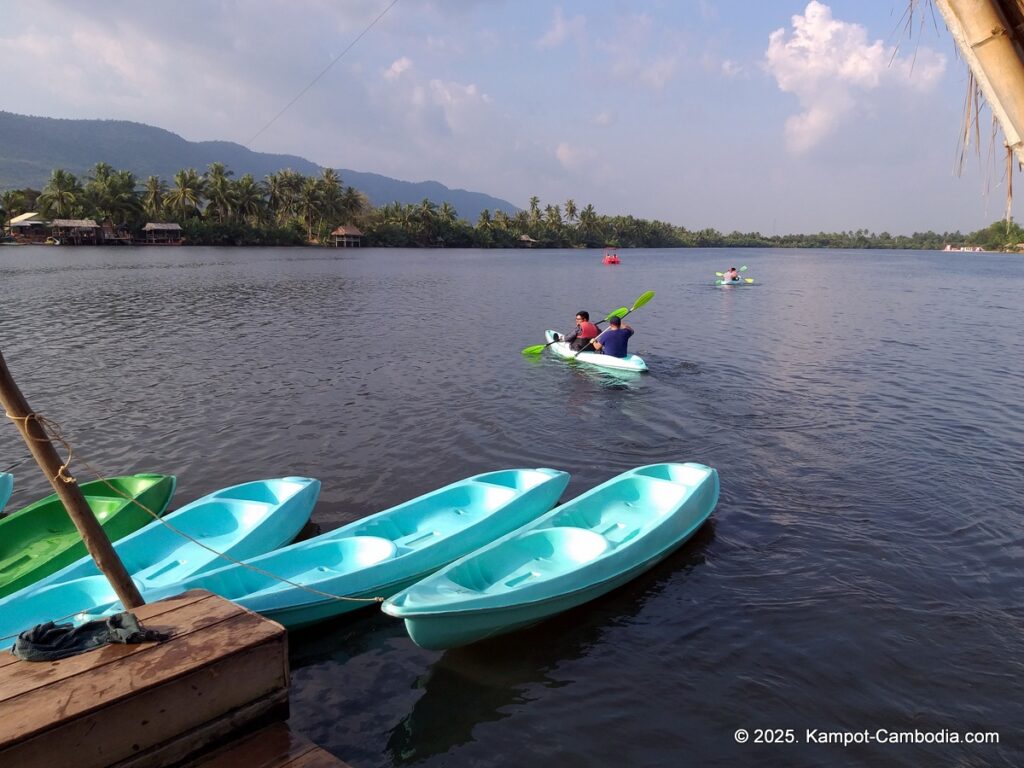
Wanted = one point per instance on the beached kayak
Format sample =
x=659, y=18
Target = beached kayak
x=241, y=521
x=40, y=538
x=6, y=487
x=385, y=552
x=578, y=551
x=628, y=363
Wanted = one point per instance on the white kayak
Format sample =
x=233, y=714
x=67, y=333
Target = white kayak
x=627, y=363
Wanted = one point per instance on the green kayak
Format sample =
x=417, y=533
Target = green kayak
x=41, y=538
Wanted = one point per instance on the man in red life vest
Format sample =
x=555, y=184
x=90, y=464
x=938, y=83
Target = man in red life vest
x=585, y=331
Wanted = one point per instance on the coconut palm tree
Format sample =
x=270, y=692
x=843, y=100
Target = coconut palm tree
x=60, y=195
x=331, y=197
x=310, y=201
x=153, y=191
x=219, y=191
x=355, y=204
x=534, y=209
x=570, y=210
x=185, y=197
x=248, y=198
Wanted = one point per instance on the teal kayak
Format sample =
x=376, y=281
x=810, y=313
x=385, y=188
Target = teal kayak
x=385, y=552
x=241, y=521
x=6, y=487
x=627, y=363
x=578, y=551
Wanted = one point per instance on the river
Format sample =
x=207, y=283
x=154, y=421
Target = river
x=862, y=571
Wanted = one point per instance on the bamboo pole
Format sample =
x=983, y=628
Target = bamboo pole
x=68, y=492
x=987, y=43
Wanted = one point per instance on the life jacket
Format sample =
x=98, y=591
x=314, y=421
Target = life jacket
x=588, y=330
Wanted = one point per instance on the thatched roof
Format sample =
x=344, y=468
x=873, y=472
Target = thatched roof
x=347, y=230
x=161, y=226
x=79, y=223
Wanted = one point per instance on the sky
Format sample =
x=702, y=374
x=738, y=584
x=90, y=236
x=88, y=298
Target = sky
x=776, y=116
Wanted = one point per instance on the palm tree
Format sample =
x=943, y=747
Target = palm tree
x=186, y=195
x=332, y=198
x=248, y=199
x=588, y=224
x=291, y=184
x=448, y=214
x=122, y=200
x=14, y=203
x=570, y=210
x=60, y=194
x=219, y=191
x=354, y=204
x=534, y=209
x=153, y=192
x=310, y=201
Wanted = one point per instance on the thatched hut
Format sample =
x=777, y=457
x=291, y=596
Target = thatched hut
x=162, y=233
x=75, y=231
x=347, y=236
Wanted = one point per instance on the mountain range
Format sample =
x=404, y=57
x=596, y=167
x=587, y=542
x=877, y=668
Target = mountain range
x=32, y=147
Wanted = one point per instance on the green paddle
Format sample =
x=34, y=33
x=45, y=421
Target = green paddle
x=644, y=298
x=536, y=349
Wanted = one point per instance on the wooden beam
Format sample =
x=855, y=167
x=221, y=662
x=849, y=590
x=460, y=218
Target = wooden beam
x=986, y=41
x=67, y=490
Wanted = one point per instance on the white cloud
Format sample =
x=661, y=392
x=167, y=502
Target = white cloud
x=397, y=68
x=630, y=53
x=562, y=29
x=731, y=68
x=604, y=118
x=573, y=158
x=831, y=66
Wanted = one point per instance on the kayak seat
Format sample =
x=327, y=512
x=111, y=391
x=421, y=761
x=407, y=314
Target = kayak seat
x=536, y=555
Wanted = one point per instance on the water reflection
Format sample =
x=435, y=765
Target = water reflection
x=480, y=683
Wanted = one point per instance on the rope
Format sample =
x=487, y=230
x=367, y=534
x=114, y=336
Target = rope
x=53, y=429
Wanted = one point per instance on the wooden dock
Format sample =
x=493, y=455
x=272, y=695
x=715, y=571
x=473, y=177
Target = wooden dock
x=185, y=701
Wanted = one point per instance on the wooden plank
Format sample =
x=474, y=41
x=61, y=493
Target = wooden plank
x=275, y=746
x=186, y=746
x=147, y=613
x=156, y=664
x=120, y=730
x=269, y=747
x=183, y=618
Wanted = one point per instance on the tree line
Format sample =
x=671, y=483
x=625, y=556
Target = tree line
x=288, y=208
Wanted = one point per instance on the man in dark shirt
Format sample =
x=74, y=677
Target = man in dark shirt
x=614, y=341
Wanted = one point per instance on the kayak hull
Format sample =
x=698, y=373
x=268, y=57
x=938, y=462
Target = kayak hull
x=241, y=521
x=41, y=538
x=575, y=553
x=628, y=363
x=385, y=552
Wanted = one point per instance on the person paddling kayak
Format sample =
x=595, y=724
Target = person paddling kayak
x=615, y=340
x=584, y=333
x=731, y=275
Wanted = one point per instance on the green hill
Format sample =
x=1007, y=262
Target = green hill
x=31, y=147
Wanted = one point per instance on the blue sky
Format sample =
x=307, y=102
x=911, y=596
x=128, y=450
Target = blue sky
x=777, y=116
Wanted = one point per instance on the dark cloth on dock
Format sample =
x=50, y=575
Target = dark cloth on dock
x=50, y=641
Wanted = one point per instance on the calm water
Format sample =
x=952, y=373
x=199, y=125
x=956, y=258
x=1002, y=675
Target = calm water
x=864, y=409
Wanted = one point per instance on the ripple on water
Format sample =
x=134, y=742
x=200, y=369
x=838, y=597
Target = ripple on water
x=861, y=570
